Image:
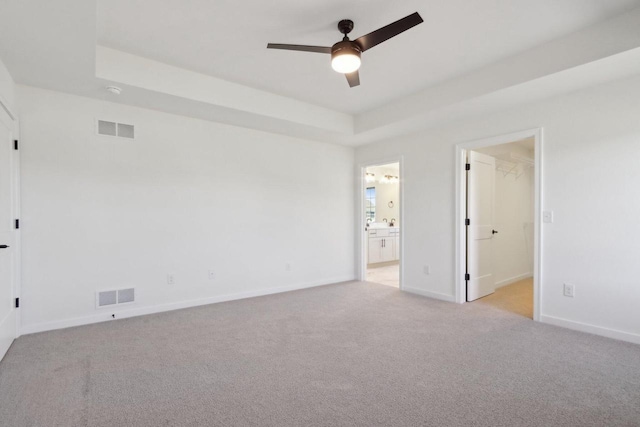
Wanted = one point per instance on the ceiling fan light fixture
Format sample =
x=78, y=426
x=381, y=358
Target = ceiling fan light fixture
x=345, y=57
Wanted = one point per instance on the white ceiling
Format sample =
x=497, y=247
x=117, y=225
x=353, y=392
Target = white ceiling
x=208, y=59
x=227, y=39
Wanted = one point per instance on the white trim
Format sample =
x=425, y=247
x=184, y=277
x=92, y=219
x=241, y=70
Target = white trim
x=513, y=279
x=430, y=294
x=360, y=221
x=5, y=106
x=6, y=331
x=14, y=134
x=591, y=329
x=460, y=160
x=17, y=214
x=123, y=314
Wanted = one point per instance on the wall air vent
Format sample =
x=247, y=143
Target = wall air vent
x=126, y=295
x=107, y=298
x=119, y=130
x=115, y=297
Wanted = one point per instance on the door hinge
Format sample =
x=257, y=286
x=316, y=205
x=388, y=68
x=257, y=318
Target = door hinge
x=17, y=302
x=467, y=221
x=467, y=277
x=17, y=224
x=467, y=167
x=15, y=144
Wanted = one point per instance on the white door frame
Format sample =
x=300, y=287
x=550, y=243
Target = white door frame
x=361, y=223
x=461, y=154
x=12, y=119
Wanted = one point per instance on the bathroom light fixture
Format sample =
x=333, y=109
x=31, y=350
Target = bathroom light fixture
x=389, y=179
x=370, y=177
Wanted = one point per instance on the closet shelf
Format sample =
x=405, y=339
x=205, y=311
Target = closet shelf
x=513, y=164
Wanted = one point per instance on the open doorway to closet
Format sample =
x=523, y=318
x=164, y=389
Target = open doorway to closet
x=381, y=212
x=499, y=232
x=506, y=188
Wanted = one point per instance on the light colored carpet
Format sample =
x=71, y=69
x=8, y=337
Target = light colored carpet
x=355, y=354
x=516, y=298
x=387, y=273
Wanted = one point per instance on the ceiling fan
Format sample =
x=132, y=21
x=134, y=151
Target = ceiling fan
x=345, y=55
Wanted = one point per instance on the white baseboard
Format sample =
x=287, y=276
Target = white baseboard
x=141, y=311
x=592, y=329
x=7, y=332
x=513, y=279
x=429, y=294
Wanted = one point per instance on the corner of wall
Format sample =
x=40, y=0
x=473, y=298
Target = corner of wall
x=7, y=90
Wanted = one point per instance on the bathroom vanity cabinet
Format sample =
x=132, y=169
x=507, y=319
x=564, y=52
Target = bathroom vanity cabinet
x=384, y=244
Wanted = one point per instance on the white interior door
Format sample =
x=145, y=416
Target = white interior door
x=8, y=239
x=480, y=212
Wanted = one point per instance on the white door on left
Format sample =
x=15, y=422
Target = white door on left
x=480, y=212
x=8, y=239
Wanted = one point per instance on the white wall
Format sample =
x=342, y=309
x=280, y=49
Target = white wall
x=591, y=167
x=513, y=218
x=185, y=197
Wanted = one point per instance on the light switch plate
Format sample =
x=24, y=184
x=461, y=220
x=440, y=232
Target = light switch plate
x=547, y=216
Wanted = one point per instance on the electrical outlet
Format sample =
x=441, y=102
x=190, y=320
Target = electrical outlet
x=569, y=290
x=171, y=280
x=287, y=267
x=212, y=274
x=426, y=270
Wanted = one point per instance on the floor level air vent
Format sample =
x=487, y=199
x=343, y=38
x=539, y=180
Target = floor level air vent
x=107, y=298
x=115, y=297
x=119, y=130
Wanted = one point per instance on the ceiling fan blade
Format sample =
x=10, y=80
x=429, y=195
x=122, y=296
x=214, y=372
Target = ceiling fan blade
x=302, y=48
x=376, y=37
x=353, y=78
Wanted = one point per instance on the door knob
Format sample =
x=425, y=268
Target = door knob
x=494, y=231
x=3, y=246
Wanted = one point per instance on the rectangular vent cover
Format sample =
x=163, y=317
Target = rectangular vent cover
x=107, y=298
x=125, y=295
x=106, y=128
x=120, y=130
x=125, y=131
x=119, y=296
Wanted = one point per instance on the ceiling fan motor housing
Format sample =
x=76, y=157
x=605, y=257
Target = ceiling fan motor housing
x=345, y=48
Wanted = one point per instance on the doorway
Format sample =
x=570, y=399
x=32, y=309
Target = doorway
x=381, y=219
x=498, y=233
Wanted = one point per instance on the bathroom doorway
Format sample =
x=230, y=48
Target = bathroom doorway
x=381, y=216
